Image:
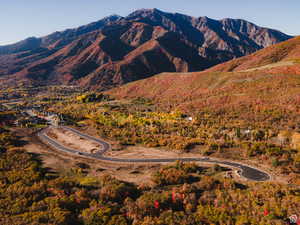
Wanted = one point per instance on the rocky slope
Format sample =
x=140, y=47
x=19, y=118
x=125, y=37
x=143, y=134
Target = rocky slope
x=267, y=81
x=284, y=54
x=118, y=50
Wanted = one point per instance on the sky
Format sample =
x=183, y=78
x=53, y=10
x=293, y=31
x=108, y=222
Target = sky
x=20, y=19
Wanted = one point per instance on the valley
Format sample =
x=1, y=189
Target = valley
x=97, y=147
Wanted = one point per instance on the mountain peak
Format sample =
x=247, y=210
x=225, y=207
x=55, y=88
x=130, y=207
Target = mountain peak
x=112, y=17
x=145, y=12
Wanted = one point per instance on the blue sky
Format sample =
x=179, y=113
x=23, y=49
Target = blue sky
x=20, y=19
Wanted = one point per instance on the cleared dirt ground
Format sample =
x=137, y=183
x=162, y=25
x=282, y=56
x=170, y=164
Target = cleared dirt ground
x=72, y=140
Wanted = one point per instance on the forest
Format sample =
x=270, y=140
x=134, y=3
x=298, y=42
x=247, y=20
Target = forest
x=184, y=193
x=181, y=193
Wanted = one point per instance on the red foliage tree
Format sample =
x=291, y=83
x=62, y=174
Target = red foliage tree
x=156, y=204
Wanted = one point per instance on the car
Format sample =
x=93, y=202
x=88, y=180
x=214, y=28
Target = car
x=79, y=153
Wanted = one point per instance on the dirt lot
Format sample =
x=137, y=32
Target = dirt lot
x=72, y=140
x=143, y=152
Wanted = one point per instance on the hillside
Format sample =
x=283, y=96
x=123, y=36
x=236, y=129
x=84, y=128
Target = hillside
x=286, y=53
x=17, y=56
x=117, y=50
x=246, y=93
x=56, y=39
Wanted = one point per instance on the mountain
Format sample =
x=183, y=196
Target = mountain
x=264, y=83
x=57, y=39
x=275, y=56
x=17, y=56
x=117, y=50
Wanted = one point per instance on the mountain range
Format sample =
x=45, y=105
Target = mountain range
x=117, y=50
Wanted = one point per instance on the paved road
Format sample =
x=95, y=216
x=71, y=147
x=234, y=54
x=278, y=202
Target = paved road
x=245, y=171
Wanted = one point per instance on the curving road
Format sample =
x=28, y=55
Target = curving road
x=244, y=170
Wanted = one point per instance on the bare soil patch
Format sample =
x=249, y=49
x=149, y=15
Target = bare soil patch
x=147, y=153
x=72, y=140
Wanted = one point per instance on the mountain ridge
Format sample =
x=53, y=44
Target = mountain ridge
x=117, y=50
x=46, y=40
